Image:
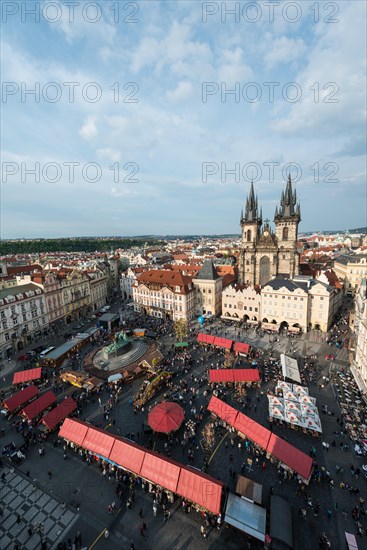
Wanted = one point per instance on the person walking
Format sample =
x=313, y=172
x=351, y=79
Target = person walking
x=141, y=512
x=142, y=531
x=49, y=473
x=18, y=519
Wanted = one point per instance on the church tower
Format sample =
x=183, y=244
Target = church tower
x=287, y=218
x=250, y=222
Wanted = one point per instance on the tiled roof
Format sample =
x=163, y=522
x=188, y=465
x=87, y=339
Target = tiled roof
x=171, y=279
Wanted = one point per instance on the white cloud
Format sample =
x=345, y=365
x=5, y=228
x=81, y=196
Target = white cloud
x=109, y=154
x=283, y=50
x=89, y=129
x=232, y=68
x=181, y=92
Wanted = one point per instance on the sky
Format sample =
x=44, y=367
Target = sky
x=129, y=118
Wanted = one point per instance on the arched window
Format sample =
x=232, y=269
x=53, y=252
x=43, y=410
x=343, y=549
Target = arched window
x=248, y=235
x=285, y=233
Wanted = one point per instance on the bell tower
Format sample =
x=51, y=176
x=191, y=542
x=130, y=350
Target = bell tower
x=287, y=218
x=250, y=223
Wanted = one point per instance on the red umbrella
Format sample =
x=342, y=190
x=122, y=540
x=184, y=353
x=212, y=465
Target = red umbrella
x=166, y=417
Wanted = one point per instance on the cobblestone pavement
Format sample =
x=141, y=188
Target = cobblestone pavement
x=28, y=506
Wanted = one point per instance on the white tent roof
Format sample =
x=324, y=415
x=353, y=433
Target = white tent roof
x=290, y=368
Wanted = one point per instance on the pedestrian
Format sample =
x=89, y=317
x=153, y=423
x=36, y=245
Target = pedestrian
x=18, y=519
x=144, y=526
x=49, y=473
x=30, y=532
x=141, y=512
x=142, y=531
x=132, y=545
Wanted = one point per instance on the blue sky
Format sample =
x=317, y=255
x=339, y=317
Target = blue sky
x=152, y=132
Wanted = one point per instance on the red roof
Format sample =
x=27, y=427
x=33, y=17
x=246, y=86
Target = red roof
x=234, y=375
x=221, y=409
x=74, y=431
x=253, y=430
x=240, y=347
x=297, y=460
x=127, y=455
x=57, y=415
x=35, y=408
x=223, y=342
x=200, y=488
x=20, y=398
x=98, y=441
x=160, y=470
x=205, y=338
x=27, y=375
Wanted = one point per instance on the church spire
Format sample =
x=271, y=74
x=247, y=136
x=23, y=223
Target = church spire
x=252, y=207
x=288, y=202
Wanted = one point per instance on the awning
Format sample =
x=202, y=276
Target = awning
x=127, y=455
x=292, y=457
x=205, y=338
x=240, y=347
x=181, y=344
x=74, y=431
x=222, y=342
x=20, y=398
x=234, y=375
x=200, y=488
x=35, y=408
x=290, y=368
x=114, y=377
x=57, y=415
x=98, y=441
x=246, y=516
x=221, y=409
x=27, y=375
x=160, y=470
x=253, y=430
x=281, y=522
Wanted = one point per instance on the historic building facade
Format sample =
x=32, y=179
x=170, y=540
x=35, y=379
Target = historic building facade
x=264, y=254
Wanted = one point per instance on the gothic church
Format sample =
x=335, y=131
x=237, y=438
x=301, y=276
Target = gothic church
x=265, y=254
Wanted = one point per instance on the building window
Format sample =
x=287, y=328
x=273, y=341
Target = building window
x=248, y=236
x=285, y=234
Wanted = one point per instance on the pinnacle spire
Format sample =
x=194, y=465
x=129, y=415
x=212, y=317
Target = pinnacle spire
x=252, y=206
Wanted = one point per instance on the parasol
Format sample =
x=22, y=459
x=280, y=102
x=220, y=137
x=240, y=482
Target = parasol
x=166, y=417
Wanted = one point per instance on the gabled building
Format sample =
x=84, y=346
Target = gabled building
x=164, y=294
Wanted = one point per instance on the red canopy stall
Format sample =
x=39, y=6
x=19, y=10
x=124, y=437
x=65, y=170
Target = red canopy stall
x=160, y=470
x=292, y=457
x=127, y=455
x=205, y=490
x=27, y=375
x=234, y=375
x=57, y=415
x=20, y=398
x=35, y=408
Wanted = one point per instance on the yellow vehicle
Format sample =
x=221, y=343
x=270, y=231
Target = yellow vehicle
x=149, y=388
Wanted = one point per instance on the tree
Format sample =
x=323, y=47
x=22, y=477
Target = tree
x=181, y=330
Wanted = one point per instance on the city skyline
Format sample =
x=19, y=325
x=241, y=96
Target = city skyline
x=154, y=120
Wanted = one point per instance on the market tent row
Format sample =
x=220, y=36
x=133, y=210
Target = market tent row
x=240, y=348
x=27, y=375
x=290, y=368
x=58, y=414
x=20, y=398
x=287, y=454
x=203, y=490
x=234, y=375
x=35, y=408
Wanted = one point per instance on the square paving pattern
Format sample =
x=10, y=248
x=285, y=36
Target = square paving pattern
x=44, y=514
